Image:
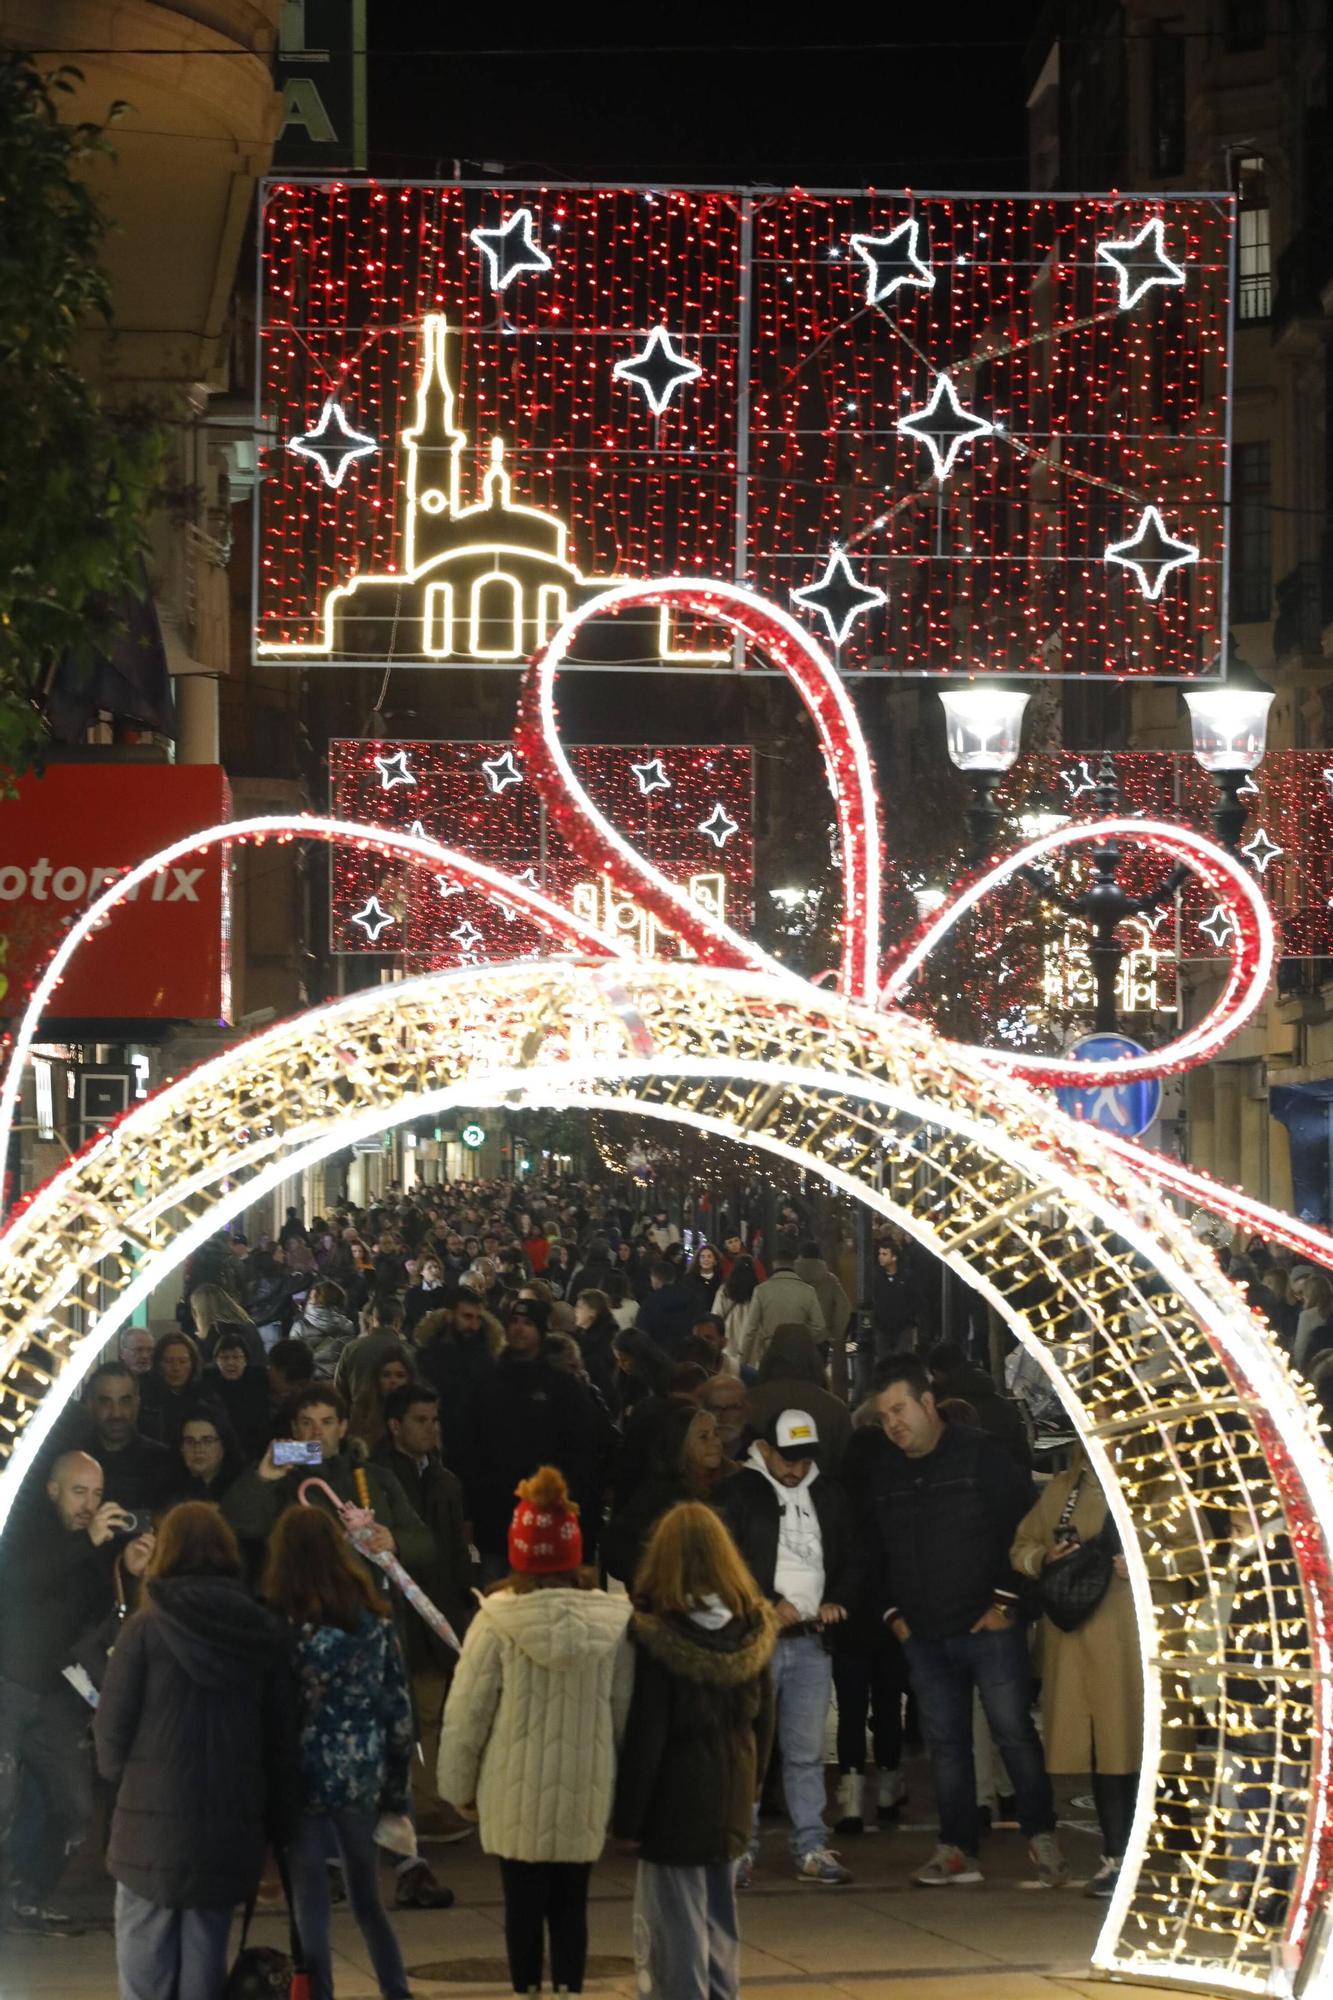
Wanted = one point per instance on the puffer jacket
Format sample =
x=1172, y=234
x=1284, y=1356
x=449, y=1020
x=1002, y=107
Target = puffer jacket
x=326, y=1332
x=356, y=1717
x=536, y=1710
x=699, y=1734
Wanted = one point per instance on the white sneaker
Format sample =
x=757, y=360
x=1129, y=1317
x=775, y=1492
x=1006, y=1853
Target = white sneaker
x=892, y=1793
x=823, y=1866
x=849, y=1802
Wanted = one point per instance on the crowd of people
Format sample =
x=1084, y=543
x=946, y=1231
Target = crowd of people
x=669, y=1550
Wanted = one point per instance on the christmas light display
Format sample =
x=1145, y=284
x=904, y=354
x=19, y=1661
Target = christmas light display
x=511, y=249
x=1152, y=553
x=658, y=370
x=472, y=796
x=734, y=383
x=1141, y=263
x=839, y=597
x=333, y=444
x=1203, y=1441
x=892, y=261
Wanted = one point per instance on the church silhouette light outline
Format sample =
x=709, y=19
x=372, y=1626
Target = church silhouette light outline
x=484, y=584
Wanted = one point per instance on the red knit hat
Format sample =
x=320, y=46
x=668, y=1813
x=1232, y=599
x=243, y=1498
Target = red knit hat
x=544, y=1535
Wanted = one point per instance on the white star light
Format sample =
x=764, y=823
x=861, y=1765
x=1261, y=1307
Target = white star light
x=1261, y=850
x=651, y=777
x=418, y=831
x=373, y=918
x=1249, y=790
x=1080, y=781
x=393, y=771
x=501, y=771
x=1152, y=553
x=719, y=826
x=507, y=910
x=1327, y=775
x=529, y=876
x=658, y=369
x=511, y=249
x=467, y=935
x=839, y=597
x=944, y=426
x=333, y=444
x=893, y=260
x=1141, y=262
x=449, y=888
x=1219, y=925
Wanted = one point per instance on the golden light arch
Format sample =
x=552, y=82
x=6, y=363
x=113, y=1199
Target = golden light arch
x=1209, y=1454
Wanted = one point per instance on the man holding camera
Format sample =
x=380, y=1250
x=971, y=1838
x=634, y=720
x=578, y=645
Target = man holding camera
x=56, y=1577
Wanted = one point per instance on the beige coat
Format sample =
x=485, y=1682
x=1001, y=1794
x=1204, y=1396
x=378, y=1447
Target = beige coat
x=531, y=1727
x=1092, y=1680
x=782, y=1300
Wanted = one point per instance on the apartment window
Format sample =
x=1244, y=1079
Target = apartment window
x=1254, y=248
x=1244, y=24
x=1251, y=543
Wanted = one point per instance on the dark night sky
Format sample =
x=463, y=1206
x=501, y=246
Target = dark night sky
x=915, y=107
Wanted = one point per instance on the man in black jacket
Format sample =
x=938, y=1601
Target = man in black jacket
x=56, y=1584
x=137, y=1471
x=529, y=1414
x=946, y=1503
x=410, y=1450
x=794, y=1530
x=668, y=1311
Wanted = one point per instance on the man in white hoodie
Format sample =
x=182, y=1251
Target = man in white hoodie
x=794, y=1530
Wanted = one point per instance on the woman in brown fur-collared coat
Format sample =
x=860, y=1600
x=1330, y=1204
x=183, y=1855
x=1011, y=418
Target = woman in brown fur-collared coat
x=1092, y=1678
x=698, y=1737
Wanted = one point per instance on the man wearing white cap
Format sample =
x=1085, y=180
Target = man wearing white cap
x=794, y=1530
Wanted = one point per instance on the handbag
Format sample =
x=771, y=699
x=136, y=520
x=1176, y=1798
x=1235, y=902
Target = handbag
x=259, y=1972
x=1070, y=1590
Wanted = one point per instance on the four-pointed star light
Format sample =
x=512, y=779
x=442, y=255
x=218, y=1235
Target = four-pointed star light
x=893, y=261
x=333, y=444
x=1152, y=553
x=659, y=369
x=501, y=771
x=511, y=249
x=651, y=776
x=373, y=918
x=944, y=426
x=1140, y=262
x=393, y=771
x=839, y=597
x=719, y=826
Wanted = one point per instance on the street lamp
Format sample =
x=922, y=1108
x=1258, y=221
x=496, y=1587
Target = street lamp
x=1229, y=725
x=984, y=728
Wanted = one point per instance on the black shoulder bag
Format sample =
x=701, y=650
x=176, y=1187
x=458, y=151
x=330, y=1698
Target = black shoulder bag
x=1070, y=1590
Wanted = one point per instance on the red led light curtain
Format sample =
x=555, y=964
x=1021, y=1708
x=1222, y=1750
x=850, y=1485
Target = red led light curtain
x=950, y=434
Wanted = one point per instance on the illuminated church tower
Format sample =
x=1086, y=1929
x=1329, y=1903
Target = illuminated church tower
x=490, y=582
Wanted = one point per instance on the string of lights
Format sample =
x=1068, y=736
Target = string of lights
x=1005, y=414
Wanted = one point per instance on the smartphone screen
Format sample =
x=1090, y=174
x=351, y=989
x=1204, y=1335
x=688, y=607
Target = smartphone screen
x=298, y=1451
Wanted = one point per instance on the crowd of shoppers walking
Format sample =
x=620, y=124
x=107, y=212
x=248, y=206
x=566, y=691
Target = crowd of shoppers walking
x=669, y=1550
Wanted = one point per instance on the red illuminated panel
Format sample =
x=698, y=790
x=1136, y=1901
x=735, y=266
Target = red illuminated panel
x=981, y=434
x=689, y=808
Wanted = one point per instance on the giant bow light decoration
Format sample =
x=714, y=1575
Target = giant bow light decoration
x=1206, y=1446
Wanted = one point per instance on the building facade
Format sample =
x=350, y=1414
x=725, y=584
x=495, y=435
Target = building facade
x=1232, y=95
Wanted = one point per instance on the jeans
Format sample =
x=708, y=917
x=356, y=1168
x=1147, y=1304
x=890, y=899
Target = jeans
x=686, y=1942
x=802, y=1688
x=44, y=1739
x=870, y=1682
x=164, y=1954
x=353, y=1831
x=1114, y=1794
x=550, y=1897
x=944, y=1673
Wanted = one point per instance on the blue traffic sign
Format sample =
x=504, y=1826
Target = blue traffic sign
x=1127, y=1109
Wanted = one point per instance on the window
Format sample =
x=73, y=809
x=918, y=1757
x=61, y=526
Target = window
x=1254, y=255
x=1244, y=23
x=497, y=617
x=1251, y=548
x=1168, y=101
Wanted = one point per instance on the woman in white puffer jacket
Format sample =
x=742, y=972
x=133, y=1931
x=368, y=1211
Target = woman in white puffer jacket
x=531, y=1728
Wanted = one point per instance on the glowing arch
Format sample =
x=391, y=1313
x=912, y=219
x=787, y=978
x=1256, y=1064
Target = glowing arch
x=1210, y=1456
